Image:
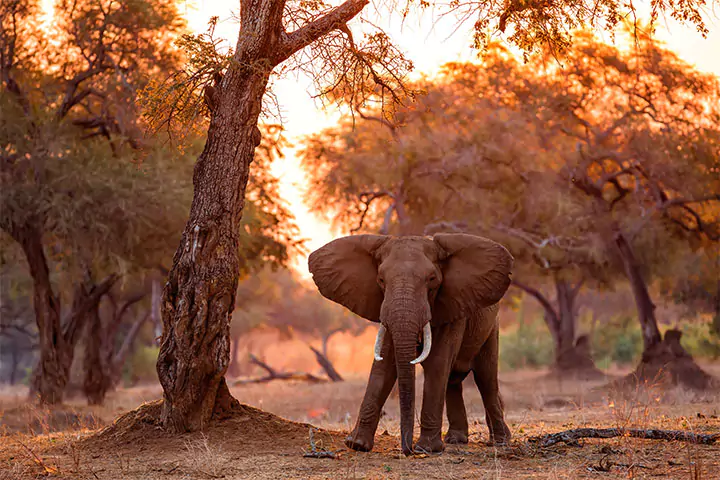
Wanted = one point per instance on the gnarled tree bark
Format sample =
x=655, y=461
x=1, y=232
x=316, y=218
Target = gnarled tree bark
x=200, y=292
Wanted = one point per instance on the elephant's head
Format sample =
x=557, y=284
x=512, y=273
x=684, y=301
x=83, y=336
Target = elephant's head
x=403, y=283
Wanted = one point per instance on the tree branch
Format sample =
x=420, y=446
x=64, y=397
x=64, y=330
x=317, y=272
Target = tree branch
x=542, y=299
x=122, y=353
x=335, y=19
x=73, y=321
x=367, y=198
x=571, y=436
x=325, y=363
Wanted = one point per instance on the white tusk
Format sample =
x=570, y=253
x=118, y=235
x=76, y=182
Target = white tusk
x=379, y=342
x=427, y=343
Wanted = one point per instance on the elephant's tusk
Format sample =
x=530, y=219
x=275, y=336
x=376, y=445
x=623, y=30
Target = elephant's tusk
x=427, y=343
x=379, y=342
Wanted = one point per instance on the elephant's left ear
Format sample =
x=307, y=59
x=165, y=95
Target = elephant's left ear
x=476, y=272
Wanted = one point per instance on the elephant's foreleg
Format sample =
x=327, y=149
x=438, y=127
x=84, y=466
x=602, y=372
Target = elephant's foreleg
x=485, y=369
x=455, y=406
x=382, y=379
x=437, y=371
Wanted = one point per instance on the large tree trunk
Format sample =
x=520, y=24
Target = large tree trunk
x=200, y=292
x=645, y=306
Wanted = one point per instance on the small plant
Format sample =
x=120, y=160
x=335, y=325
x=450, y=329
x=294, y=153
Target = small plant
x=526, y=345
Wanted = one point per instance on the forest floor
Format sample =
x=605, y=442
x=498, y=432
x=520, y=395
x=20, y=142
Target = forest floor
x=69, y=442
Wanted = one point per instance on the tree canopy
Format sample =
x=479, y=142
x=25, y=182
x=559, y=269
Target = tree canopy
x=596, y=165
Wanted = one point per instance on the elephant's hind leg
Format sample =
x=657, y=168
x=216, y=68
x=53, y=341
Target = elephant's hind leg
x=382, y=379
x=485, y=369
x=456, y=414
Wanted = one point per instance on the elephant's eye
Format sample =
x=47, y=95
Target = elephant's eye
x=381, y=282
x=432, y=278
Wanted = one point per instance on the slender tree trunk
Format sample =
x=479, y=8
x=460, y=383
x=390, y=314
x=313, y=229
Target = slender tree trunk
x=571, y=354
x=645, y=306
x=97, y=375
x=550, y=315
x=326, y=340
x=234, y=367
x=51, y=373
x=716, y=317
x=119, y=358
x=15, y=355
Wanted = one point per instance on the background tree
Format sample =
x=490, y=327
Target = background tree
x=86, y=187
x=647, y=158
x=488, y=166
x=279, y=300
x=52, y=117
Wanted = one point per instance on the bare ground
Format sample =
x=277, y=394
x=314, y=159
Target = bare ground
x=254, y=444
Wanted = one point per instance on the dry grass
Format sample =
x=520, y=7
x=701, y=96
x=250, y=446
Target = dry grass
x=267, y=449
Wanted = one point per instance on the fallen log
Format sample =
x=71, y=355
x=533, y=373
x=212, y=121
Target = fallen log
x=275, y=375
x=571, y=437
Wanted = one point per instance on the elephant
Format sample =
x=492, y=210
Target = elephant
x=444, y=290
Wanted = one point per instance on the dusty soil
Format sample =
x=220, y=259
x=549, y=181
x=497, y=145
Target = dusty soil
x=258, y=444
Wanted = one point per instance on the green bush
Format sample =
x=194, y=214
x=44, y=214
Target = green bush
x=700, y=341
x=618, y=341
x=526, y=345
x=140, y=367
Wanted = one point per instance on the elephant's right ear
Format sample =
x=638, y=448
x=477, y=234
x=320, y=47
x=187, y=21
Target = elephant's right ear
x=345, y=271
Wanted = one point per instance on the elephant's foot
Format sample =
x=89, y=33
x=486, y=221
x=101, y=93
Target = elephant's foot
x=427, y=445
x=360, y=442
x=500, y=436
x=456, y=437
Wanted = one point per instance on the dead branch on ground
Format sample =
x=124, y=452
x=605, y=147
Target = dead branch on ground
x=275, y=375
x=571, y=437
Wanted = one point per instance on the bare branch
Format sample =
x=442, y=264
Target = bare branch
x=335, y=19
x=571, y=437
x=367, y=198
x=122, y=353
x=542, y=299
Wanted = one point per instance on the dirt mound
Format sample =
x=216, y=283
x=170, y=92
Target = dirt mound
x=576, y=363
x=667, y=365
x=243, y=428
x=34, y=419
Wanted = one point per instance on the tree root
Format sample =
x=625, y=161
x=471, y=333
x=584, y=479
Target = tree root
x=571, y=437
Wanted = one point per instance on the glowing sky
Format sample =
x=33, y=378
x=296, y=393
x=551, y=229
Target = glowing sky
x=429, y=43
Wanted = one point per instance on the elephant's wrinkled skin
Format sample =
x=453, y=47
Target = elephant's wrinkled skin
x=453, y=282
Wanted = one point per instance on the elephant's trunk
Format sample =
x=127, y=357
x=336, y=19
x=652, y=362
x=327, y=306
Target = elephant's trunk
x=404, y=313
x=405, y=351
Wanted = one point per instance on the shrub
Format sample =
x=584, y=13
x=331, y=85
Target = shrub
x=700, y=341
x=140, y=367
x=618, y=340
x=526, y=345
